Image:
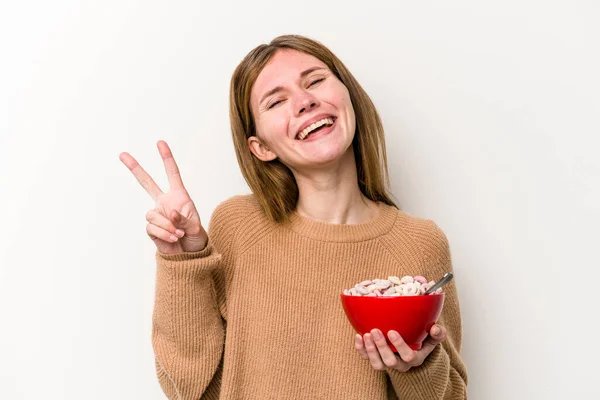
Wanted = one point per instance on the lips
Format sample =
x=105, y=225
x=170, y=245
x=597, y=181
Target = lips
x=318, y=133
x=317, y=120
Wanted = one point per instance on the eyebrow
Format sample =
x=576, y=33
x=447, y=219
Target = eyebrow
x=280, y=88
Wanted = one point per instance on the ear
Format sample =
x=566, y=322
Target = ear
x=260, y=150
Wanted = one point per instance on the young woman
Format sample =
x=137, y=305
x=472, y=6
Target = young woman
x=251, y=309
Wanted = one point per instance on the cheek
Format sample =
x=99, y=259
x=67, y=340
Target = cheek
x=271, y=129
x=344, y=101
x=350, y=108
x=350, y=116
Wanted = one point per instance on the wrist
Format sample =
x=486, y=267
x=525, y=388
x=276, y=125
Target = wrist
x=192, y=244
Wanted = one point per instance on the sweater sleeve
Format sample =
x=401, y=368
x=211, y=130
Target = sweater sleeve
x=443, y=374
x=188, y=332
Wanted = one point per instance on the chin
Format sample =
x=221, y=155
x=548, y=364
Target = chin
x=329, y=156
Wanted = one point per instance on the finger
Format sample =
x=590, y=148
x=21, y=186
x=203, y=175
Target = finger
x=161, y=221
x=360, y=347
x=183, y=223
x=170, y=165
x=373, y=353
x=177, y=219
x=437, y=335
x=142, y=176
x=408, y=355
x=387, y=355
x=156, y=232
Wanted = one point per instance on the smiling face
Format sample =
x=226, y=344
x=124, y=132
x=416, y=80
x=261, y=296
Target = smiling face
x=302, y=111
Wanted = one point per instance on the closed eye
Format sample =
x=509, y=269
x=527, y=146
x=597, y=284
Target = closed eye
x=274, y=104
x=316, y=81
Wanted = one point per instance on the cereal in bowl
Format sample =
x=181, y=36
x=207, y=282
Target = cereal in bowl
x=392, y=287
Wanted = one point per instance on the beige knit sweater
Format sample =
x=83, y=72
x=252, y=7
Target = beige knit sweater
x=257, y=313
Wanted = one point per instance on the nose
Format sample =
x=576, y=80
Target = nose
x=305, y=102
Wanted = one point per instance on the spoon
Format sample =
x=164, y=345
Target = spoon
x=445, y=279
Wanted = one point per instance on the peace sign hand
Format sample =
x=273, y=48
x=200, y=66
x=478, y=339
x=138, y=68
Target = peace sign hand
x=174, y=224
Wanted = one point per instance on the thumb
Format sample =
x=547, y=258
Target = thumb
x=179, y=220
x=192, y=227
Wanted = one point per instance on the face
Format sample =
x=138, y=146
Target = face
x=303, y=113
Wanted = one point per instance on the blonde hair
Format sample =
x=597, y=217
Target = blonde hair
x=272, y=183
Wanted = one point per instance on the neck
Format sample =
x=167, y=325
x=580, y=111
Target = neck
x=332, y=194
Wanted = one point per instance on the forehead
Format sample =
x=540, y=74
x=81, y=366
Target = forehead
x=283, y=68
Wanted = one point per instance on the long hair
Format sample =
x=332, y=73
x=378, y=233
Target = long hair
x=272, y=183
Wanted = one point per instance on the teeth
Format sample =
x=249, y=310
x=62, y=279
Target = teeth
x=312, y=127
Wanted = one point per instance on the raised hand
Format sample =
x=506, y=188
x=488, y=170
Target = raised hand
x=173, y=224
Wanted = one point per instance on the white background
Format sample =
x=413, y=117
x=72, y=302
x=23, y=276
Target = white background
x=491, y=113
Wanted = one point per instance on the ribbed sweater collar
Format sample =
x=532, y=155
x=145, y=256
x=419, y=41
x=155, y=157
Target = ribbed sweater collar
x=328, y=232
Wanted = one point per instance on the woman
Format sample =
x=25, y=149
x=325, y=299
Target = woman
x=250, y=310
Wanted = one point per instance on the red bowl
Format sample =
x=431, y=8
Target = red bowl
x=411, y=316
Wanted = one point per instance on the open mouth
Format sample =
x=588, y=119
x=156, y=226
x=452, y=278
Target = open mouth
x=316, y=127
